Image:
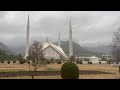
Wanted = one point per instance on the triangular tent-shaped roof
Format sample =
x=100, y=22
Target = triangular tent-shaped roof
x=57, y=48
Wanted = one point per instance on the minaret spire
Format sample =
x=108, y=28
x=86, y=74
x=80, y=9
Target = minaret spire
x=70, y=41
x=59, y=40
x=27, y=38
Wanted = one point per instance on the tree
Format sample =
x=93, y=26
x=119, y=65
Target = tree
x=72, y=58
x=116, y=46
x=36, y=58
x=20, y=57
x=3, y=55
x=103, y=59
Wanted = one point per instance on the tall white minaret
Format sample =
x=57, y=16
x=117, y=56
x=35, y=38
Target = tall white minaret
x=27, y=39
x=59, y=40
x=70, y=41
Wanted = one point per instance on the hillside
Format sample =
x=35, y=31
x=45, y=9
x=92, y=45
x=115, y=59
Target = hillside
x=77, y=49
x=65, y=45
x=106, y=49
x=6, y=49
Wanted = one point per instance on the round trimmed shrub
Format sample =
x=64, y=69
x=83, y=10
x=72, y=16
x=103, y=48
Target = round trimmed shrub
x=28, y=62
x=2, y=61
x=8, y=62
x=14, y=61
x=69, y=70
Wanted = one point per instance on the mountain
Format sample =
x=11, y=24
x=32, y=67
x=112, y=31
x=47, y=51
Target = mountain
x=6, y=49
x=18, y=49
x=77, y=49
x=105, y=49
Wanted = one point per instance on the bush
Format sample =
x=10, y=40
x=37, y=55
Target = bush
x=89, y=62
x=79, y=62
x=2, y=61
x=21, y=61
x=69, y=70
x=59, y=62
x=108, y=62
x=28, y=62
x=8, y=62
x=72, y=59
x=14, y=61
x=52, y=60
x=47, y=62
x=99, y=62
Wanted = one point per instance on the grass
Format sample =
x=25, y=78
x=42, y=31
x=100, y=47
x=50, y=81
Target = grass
x=53, y=67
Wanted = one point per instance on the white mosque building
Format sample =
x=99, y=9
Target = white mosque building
x=51, y=50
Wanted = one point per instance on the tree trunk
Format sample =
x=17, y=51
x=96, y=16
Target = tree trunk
x=32, y=76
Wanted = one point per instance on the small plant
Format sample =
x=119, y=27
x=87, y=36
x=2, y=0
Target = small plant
x=21, y=61
x=100, y=62
x=2, y=61
x=52, y=60
x=8, y=62
x=59, y=62
x=47, y=62
x=14, y=61
x=108, y=62
x=72, y=59
x=89, y=62
x=79, y=62
x=69, y=70
x=28, y=62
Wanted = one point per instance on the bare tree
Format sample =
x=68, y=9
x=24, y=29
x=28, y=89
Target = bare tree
x=116, y=46
x=36, y=58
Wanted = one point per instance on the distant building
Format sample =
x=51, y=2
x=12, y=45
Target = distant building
x=94, y=59
x=108, y=57
x=53, y=51
x=82, y=57
x=50, y=50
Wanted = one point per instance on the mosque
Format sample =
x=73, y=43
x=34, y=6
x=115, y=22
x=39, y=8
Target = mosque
x=49, y=49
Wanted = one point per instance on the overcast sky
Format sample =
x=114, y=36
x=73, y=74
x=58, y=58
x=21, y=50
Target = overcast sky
x=89, y=27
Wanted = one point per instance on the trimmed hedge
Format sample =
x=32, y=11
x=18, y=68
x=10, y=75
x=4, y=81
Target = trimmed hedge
x=69, y=70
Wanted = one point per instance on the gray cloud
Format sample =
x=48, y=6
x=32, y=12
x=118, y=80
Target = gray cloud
x=89, y=27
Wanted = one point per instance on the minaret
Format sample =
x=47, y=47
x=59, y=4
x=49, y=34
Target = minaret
x=70, y=41
x=27, y=39
x=59, y=40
